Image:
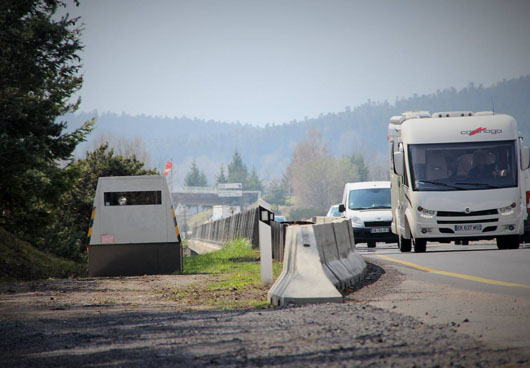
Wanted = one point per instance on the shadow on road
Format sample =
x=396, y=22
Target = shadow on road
x=374, y=272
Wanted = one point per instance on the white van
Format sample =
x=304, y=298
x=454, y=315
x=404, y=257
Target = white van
x=368, y=206
x=457, y=176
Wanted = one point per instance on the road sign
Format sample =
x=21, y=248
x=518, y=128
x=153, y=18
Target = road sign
x=230, y=190
x=229, y=186
x=230, y=193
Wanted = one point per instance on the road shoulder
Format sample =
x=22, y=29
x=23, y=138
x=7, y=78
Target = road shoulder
x=497, y=320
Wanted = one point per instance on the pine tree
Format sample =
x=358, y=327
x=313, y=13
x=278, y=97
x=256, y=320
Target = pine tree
x=203, y=182
x=221, y=178
x=39, y=72
x=237, y=170
x=277, y=192
x=253, y=181
x=193, y=177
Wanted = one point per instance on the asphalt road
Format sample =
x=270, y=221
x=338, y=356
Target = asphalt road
x=480, y=289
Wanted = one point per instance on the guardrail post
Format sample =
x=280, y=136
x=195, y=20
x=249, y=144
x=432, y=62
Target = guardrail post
x=265, y=241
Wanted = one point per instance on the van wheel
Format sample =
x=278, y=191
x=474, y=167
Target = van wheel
x=420, y=245
x=404, y=244
x=508, y=242
x=370, y=244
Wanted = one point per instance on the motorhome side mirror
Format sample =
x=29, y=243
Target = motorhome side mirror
x=342, y=208
x=525, y=157
x=399, y=163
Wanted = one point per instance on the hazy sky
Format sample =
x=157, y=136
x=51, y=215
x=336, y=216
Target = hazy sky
x=274, y=61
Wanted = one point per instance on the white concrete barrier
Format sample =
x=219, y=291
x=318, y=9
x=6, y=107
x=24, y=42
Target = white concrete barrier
x=346, y=248
x=202, y=247
x=326, y=220
x=319, y=263
x=329, y=256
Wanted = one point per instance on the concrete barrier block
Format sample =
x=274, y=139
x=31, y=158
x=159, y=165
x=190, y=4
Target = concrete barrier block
x=327, y=243
x=303, y=279
x=202, y=247
x=278, y=288
x=345, y=245
x=326, y=220
x=319, y=262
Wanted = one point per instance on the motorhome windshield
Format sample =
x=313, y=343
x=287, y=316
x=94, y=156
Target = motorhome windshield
x=371, y=198
x=463, y=166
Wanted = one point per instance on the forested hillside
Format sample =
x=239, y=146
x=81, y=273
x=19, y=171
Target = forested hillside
x=360, y=129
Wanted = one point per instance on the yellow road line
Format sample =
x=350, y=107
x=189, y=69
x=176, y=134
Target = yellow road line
x=454, y=274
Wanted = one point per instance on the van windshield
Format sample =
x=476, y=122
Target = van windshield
x=371, y=198
x=463, y=166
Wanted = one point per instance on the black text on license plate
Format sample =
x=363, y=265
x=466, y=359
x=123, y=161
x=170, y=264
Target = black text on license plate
x=473, y=227
x=379, y=230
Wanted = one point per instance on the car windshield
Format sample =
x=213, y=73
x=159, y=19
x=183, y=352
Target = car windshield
x=371, y=198
x=463, y=166
x=334, y=211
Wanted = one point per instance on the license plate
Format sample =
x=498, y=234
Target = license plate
x=379, y=230
x=474, y=227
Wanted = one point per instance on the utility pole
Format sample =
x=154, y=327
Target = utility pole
x=171, y=177
x=185, y=220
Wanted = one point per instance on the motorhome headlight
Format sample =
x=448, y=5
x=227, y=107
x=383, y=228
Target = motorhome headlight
x=425, y=213
x=356, y=221
x=508, y=210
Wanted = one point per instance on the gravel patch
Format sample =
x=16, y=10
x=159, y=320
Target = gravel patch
x=151, y=331
x=334, y=335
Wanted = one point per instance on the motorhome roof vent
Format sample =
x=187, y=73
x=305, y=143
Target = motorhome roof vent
x=399, y=119
x=452, y=114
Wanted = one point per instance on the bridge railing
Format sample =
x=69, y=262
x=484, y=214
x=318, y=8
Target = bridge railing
x=240, y=225
x=222, y=231
x=196, y=190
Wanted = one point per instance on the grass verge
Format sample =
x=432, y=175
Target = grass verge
x=234, y=282
x=19, y=260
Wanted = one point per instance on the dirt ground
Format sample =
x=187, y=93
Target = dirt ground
x=159, y=321
x=86, y=294
x=179, y=293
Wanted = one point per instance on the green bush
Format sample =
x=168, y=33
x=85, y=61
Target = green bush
x=21, y=261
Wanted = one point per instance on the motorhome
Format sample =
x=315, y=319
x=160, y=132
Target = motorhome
x=457, y=176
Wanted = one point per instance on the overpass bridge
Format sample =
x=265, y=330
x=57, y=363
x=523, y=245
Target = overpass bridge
x=191, y=200
x=213, y=196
